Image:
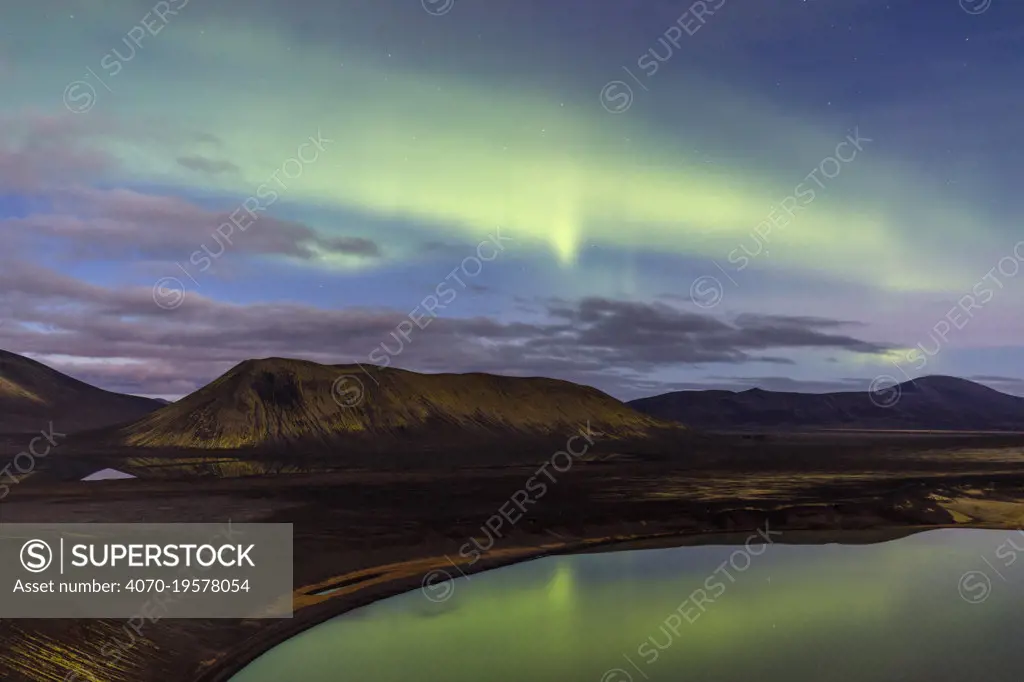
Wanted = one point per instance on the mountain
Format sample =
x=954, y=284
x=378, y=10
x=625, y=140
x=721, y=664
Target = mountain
x=32, y=395
x=278, y=401
x=927, y=403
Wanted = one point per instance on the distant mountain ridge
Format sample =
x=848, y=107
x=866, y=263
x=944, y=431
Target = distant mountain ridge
x=927, y=403
x=32, y=395
x=277, y=401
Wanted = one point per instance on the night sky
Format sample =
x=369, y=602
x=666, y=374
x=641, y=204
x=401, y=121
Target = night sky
x=642, y=196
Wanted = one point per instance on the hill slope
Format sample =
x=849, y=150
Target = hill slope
x=32, y=395
x=931, y=403
x=278, y=401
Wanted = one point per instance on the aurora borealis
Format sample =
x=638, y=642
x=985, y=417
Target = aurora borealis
x=132, y=131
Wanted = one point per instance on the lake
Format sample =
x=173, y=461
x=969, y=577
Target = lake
x=940, y=605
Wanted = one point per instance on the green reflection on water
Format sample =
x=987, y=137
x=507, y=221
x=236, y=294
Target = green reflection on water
x=794, y=612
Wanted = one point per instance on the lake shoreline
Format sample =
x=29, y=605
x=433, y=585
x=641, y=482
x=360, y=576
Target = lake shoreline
x=314, y=615
x=371, y=534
